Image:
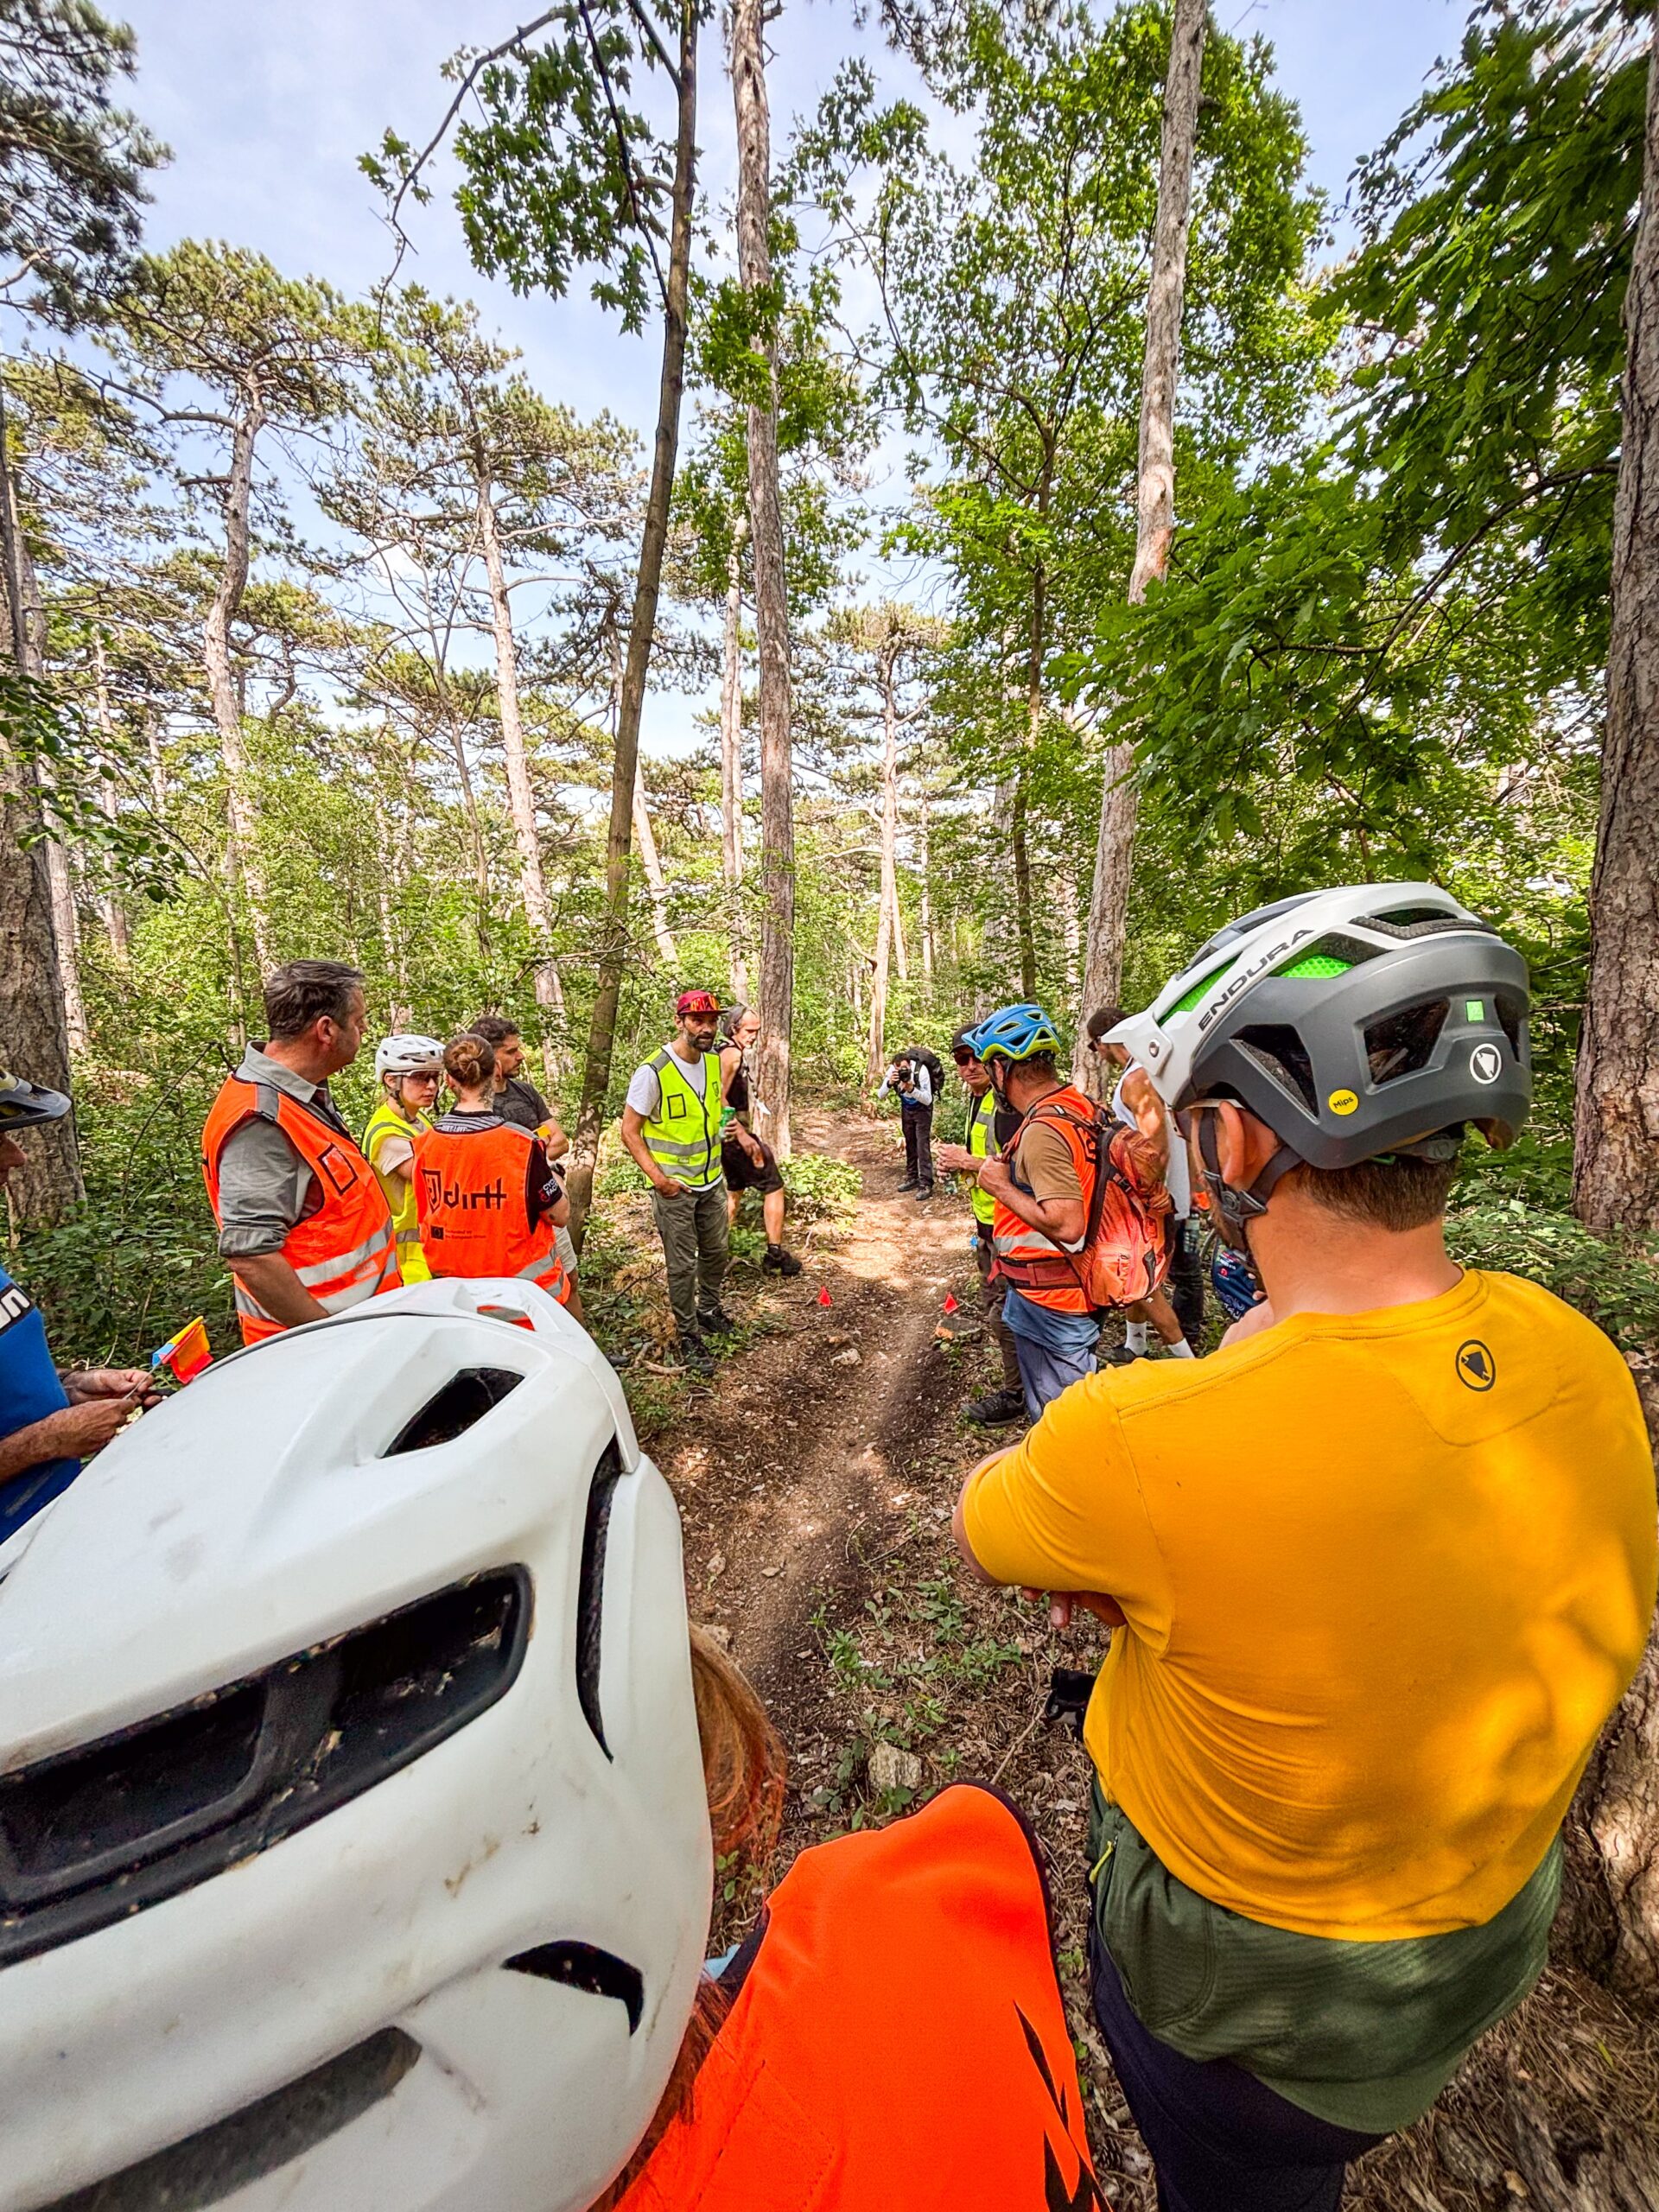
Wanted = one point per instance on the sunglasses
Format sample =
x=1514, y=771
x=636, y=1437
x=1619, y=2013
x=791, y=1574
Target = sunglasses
x=963, y=1056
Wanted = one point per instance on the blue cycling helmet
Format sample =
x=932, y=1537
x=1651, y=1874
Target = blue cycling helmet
x=1014, y=1032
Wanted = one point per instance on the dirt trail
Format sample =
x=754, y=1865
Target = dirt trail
x=791, y=1466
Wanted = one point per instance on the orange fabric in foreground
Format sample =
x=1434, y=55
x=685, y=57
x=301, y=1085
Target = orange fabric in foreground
x=900, y=2040
x=470, y=1191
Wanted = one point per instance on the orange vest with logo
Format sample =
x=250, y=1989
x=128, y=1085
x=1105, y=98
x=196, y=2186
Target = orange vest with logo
x=898, y=2041
x=471, y=1191
x=1033, y=1264
x=344, y=1252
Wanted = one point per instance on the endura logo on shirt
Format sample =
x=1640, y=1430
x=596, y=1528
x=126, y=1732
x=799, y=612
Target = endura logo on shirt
x=1476, y=1368
x=15, y=1303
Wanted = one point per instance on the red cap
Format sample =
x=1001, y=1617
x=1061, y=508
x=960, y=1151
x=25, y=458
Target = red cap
x=696, y=1002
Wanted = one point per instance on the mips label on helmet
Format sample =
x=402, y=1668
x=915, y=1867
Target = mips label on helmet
x=1343, y=1101
x=1486, y=1063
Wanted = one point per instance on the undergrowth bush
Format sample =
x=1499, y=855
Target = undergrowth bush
x=1614, y=1282
x=821, y=1189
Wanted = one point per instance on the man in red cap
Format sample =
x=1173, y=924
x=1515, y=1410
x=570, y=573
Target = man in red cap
x=670, y=1124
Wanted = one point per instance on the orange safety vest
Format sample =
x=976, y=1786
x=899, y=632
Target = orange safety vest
x=470, y=1193
x=344, y=1252
x=1036, y=1266
x=899, y=2040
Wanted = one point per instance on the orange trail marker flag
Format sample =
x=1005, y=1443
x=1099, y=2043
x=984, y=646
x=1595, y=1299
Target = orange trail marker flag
x=951, y=1304
x=823, y=1295
x=187, y=1353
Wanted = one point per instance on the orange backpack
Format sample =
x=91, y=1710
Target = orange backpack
x=1123, y=1257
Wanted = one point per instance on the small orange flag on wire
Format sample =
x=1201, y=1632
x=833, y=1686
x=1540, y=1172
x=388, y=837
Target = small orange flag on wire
x=186, y=1354
x=950, y=1304
x=823, y=1295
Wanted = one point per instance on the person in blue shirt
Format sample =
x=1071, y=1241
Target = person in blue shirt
x=49, y=1423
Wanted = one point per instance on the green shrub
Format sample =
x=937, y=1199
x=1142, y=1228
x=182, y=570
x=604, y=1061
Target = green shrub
x=821, y=1189
x=1614, y=1282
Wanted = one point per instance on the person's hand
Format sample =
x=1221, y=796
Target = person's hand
x=752, y=1146
x=671, y=1187
x=956, y=1159
x=1063, y=1605
x=93, y=1383
x=80, y=1430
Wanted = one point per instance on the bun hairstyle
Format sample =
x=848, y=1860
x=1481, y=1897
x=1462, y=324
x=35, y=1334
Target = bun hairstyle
x=469, y=1061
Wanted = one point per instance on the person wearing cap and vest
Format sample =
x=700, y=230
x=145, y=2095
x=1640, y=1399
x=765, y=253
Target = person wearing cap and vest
x=1379, y=1570
x=671, y=1126
x=488, y=1198
x=410, y=1068
x=49, y=1421
x=990, y=1127
x=303, y=1224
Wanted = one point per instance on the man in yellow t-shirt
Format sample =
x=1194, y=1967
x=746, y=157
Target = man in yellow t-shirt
x=1380, y=1569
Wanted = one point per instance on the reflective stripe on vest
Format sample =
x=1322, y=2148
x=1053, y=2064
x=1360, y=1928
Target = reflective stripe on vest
x=982, y=1117
x=471, y=1193
x=682, y=1136
x=1033, y=1264
x=899, y=2040
x=344, y=1252
x=398, y=1192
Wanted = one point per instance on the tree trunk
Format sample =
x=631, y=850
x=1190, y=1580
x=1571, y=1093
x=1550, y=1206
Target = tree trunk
x=731, y=757
x=1616, y=1133
x=999, y=944
x=777, y=999
x=887, y=911
x=1108, y=905
x=157, y=762
x=927, y=901
x=521, y=800
x=653, y=867
x=115, y=912
x=653, y=540
x=66, y=936
x=33, y=1036
x=221, y=681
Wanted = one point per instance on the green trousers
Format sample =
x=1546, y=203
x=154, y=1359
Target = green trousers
x=694, y=1230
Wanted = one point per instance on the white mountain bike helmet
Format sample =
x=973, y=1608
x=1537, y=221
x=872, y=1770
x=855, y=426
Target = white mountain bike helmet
x=354, y=1852
x=408, y=1054
x=1372, y=1020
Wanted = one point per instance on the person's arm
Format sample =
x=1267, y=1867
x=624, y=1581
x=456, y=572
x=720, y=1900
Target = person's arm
x=132, y=1383
x=924, y=1082
x=268, y=1278
x=1151, y=1118
x=1062, y=1220
x=74, y=1432
x=263, y=1188
x=554, y=1138
x=887, y=1084
x=544, y=1189
x=634, y=1123
x=394, y=1157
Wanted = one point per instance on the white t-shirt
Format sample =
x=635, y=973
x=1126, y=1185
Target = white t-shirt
x=1177, y=1174
x=646, y=1092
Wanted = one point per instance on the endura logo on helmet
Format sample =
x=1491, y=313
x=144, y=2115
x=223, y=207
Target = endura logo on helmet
x=1248, y=974
x=1486, y=1063
x=1476, y=1368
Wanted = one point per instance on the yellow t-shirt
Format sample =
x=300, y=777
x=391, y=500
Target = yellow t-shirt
x=1386, y=1575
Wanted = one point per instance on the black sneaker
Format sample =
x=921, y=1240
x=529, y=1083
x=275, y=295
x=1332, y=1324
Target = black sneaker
x=779, y=1263
x=909, y=1183
x=694, y=1357
x=923, y=1194
x=996, y=1409
x=719, y=1323
x=1121, y=1356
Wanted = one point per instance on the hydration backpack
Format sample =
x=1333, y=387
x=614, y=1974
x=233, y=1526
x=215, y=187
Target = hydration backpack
x=1124, y=1255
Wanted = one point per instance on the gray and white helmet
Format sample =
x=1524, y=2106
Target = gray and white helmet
x=1371, y=1018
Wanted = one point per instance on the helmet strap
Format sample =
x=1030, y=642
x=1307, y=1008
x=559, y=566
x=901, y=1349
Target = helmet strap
x=1235, y=1209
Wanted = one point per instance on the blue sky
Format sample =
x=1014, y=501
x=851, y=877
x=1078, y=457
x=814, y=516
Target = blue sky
x=268, y=108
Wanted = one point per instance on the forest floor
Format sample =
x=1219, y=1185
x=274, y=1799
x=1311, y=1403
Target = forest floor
x=816, y=1477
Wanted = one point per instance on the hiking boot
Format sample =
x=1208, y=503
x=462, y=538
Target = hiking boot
x=996, y=1407
x=1120, y=1356
x=923, y=1194
x=779, y=1263
x=694, y=1357
x=909, y=1183
x=716, y=1323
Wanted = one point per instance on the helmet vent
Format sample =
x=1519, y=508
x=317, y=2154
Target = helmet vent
x=95, y=1834
x=233, y=2153
x=1331, y=955
x=583, y=1965
x=1404, y=1042
x=1408, y=922
x=461, y=1405
x=590, y=1599
x=1512, y=1014
x=1282, y=1058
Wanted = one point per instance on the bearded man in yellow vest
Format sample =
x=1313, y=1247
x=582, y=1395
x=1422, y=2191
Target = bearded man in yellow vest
x=990, y=1125
x=303, y=1224
x=671, y=1125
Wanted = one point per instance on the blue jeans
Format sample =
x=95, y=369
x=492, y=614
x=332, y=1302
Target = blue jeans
x=1055, y=1350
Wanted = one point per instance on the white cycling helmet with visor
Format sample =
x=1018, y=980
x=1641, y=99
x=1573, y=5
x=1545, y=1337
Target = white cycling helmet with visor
x=354, y=1850
x=408, y=1054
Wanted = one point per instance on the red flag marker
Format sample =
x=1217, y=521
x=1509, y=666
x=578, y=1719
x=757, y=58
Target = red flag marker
x=951, y=1304
x=186, y=1354
x=823, y=1295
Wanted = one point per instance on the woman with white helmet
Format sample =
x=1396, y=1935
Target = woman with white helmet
x=357, y=1846
x=409, y=1068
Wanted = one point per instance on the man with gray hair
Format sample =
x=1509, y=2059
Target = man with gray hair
x=303, y=1224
